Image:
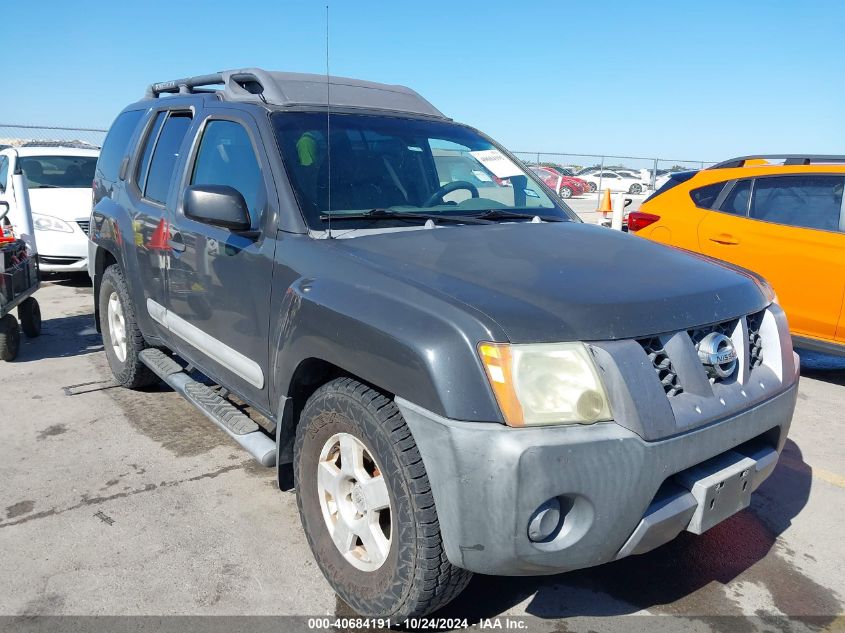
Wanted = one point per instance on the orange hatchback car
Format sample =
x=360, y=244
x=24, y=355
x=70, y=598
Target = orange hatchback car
x=779, y=216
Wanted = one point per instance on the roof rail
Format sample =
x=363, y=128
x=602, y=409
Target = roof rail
x=296, y=89
x=788, y=159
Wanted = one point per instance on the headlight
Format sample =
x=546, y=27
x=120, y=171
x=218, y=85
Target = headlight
x=545, y=383
x=49, y=223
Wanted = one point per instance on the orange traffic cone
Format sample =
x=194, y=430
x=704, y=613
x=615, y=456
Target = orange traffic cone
x=606, y=205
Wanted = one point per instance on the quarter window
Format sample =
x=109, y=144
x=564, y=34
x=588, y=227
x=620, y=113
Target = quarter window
x=165, y=155
x=115, y=145
x=226, y=157
x=736, y=201
x=705, y=197
x=812, y=201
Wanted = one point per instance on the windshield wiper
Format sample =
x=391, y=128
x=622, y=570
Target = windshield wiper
x=389, y=214
x=44, y=187
x=504, y=214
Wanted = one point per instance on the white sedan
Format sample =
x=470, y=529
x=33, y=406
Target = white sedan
x=615, y=181
x=59, y=182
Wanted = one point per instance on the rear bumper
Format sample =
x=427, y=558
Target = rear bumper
x=620, y=494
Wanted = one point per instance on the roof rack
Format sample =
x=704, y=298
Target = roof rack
x=788, y=159
x=297, y=89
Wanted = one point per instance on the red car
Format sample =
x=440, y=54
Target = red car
x=563, y=185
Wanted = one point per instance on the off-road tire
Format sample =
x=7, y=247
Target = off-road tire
x=417, y=578
x=29, y=312
x=10, y=338
x=131, y=373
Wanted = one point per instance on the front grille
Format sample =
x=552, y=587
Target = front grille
x=727, y=328
x=755, y=341
x=85, y=225
x=58, y=261
x=662, y=365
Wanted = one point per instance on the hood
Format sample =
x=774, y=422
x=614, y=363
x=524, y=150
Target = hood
x=65, y=204
x=563, y=281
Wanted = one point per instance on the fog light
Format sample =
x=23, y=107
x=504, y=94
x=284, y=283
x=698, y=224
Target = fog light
x=545, y=521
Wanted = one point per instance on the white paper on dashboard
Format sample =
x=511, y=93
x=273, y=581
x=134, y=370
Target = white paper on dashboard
x=482, y=176
x=498, y=163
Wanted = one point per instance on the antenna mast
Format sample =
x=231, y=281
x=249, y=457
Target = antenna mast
x=328, y=125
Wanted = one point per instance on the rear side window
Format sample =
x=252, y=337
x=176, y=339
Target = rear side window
x=165, y=155
x=705, y=197
x=115, y=145
x=149, y=143
x=226, y=157
x=811, y=201
x=736, y=202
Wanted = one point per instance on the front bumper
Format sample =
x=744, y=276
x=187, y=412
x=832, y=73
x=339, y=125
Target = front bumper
x=488, y=480
x=62, y=252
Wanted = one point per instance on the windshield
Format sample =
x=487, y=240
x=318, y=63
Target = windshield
x=65, y=172
x=402, y=165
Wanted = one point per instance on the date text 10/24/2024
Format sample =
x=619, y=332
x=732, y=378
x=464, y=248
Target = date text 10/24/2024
x=416, y=624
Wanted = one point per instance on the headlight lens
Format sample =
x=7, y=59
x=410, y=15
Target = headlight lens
x=49, y=223
x=545, y=383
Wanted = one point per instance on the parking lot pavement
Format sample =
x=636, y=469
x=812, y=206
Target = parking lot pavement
x=117, y=502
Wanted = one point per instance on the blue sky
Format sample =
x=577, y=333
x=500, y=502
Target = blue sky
x=704, y=80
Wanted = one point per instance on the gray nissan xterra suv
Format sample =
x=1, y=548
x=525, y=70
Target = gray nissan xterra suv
x=463, y=376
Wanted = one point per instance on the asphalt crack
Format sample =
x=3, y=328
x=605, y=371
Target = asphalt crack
x=89, y=501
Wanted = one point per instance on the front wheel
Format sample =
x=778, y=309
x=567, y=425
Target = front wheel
x=592, y=186
x=565, y=192
x=635, y=188
x=122, y=339
x=366, y=505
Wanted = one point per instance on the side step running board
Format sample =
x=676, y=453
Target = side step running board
x=238, y=426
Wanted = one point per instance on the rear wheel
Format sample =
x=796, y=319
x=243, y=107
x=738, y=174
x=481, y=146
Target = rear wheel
x=592, y=186
x=30, y=315
x=565, y=192
x=635, y=188
x=10, y=338
x=122, y=340
x=366, y=505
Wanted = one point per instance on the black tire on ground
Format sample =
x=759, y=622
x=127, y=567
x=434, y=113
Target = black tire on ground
x=565, y=192
x=131, y=372
x=416, y=578
x=592, y=186
x=29, y=312
x=635, y=188
x=10, y=338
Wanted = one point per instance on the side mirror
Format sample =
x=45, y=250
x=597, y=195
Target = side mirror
x=218, y=205
x=4, y=209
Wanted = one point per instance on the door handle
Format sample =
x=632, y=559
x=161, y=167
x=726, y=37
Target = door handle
x=725, y=238
x=175, y=243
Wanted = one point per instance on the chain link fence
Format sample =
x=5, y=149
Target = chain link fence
x=17, y=135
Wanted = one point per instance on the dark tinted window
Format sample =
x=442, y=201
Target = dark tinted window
x=705, y=197
x=226, y=157
x=165, y=155
x=736, y=201
x=149, y=142
x=115, y=145
x=813, y=202
x=59, y=172
x=674, y=180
